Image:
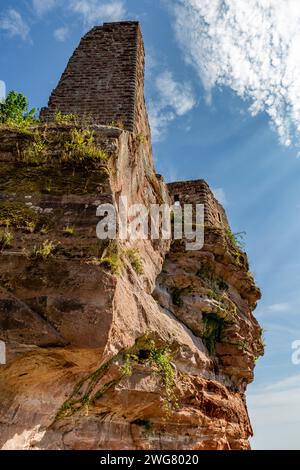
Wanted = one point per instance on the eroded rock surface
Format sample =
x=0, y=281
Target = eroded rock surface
x=128, y=345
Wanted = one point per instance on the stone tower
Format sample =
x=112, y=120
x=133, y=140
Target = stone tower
x=198, y=192
x=104, y=79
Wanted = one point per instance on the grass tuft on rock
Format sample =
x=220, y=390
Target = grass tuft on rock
x=6, y=238
x=17, y=215
x=44, y=251
x=135, y=260
x=80, y=149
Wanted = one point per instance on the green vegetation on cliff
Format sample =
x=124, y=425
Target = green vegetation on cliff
x=14, y=111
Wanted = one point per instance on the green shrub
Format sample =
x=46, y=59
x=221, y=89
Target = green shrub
x=147, y=352
x=61, y=118
x=6, y=238
x=69, y=231
x=213, y=330
x=36, y=151
x=17, y=215
x=162, y=360
x=81, y=149
x=237, y=239
x=44, y=230
x=14, y=110
x=129, y=359
x=112, y=262
x=111, y=258
x=30, y=226
x=135, y=260
x=44, y=251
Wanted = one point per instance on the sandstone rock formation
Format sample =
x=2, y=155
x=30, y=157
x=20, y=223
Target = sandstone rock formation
x=115, y=345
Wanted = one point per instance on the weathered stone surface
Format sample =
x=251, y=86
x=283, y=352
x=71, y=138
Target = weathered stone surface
x=158, y=359
x=104, y=78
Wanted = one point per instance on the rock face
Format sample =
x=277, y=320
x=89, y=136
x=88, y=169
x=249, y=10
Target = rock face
x=122, y=344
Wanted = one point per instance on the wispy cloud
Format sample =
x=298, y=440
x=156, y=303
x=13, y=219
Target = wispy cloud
x=286, y=384
x=178, y=96
x=251, y=46
x=284, y=307
x=14, y=25
x=159, y=121
x=93, y=11
x=275, y=414
x=43, y=6
x=220, y=195
x=174, y=99
x=61, y=34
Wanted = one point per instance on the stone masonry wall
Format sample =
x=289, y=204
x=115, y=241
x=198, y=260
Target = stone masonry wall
x=198, y=192
x=104, y=78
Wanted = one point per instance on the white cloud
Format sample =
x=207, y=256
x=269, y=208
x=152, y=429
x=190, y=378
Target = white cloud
x=178, y=96
x=43, y=6
x=94, y=11
x=13, y=24
x=173, y=99
x=251, y=46
x=61, y=34
x=159, y=120
x=275, y=415
x=2, y=91
x=279, y=308
x=220, y=195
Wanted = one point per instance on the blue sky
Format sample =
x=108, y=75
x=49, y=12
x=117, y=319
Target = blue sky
x=202, y=79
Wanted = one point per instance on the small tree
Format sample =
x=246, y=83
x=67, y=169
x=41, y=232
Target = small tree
x=15, y=109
